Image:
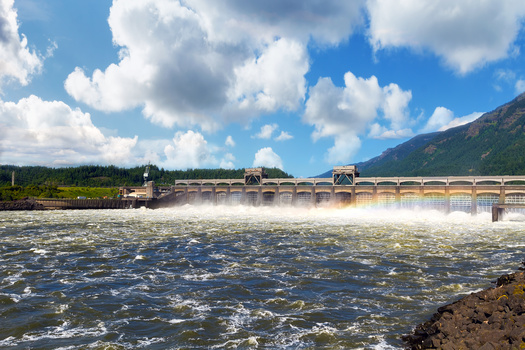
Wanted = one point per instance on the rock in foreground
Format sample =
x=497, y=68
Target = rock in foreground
x=491, y=319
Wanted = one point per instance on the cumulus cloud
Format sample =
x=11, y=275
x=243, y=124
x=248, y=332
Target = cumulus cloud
x=327, y=23
x=466, y=34
x=284, y=136
x=461, y=121
x=17, y=62
x=227, y=161
x=209, y=63
x=344, y=113
x=443, y=119
x=50, y=133
x=266, y=157
x=186, y=150
x=520, y=86
x=273, y=80
x=229, y=141
x=189, y=150
x=266, y=131
x=380, y=132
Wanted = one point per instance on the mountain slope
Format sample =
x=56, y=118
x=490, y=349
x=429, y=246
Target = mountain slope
x=494, y=144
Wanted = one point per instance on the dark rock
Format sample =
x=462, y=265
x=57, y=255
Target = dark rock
x=491, y=319
x=23, y=204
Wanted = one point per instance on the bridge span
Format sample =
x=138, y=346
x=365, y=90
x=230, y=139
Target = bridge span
x=472, y=194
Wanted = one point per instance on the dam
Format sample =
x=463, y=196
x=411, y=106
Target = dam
x=473, y=194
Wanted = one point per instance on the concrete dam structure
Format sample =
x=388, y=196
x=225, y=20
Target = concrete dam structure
x=471, y=194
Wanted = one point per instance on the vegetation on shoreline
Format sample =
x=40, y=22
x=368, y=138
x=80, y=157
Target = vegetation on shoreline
x=112, y=176
x=12, y=193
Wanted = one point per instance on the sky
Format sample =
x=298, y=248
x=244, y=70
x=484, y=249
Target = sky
x=299, y=85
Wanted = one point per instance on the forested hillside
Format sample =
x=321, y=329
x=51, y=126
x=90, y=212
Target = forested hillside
x=494, y=144
x=112, y=176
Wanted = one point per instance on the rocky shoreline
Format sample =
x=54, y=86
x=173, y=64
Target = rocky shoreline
x=22, y=204
x=491, y=319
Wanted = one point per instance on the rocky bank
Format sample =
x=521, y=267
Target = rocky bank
x=23, y=204
x=491, y=319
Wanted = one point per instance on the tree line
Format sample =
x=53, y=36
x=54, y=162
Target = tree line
x=112, y=176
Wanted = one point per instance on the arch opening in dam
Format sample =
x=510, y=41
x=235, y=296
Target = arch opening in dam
x=470, y=194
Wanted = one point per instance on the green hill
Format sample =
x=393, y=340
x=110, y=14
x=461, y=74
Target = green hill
x=112, y=176
x=494, y=144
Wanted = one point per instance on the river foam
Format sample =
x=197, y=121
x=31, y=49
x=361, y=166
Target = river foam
x=246, y=277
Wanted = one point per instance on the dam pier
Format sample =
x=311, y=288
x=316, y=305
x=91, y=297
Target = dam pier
x=472, y=194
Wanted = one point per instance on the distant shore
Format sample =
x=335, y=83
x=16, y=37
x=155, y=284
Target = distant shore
x=491, y=319
x=22, y=204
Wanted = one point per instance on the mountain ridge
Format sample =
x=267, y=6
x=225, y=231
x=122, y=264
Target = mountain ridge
x=493, y=144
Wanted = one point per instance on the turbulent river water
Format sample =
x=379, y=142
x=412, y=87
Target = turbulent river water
x=240, y=277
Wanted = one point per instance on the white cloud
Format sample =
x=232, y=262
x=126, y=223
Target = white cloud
x=461, y=121
x=229, y=141
x=441, y=116
x=273, y=80
x=266, y=157
x=345, y=113
x=284, y=136
x=189, y=151
x=227, y=161
x=443, y=119
x=209, y=63
x=520, y=86
x=328, y=22
x=344, y=148
x=266, y=131
x=466, y=34
x=17, y=62
x=380, y=132
x=50, y=133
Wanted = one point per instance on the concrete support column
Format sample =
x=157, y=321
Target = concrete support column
x=213, y=196
x=276, y=198
x=199, y=195
x=186, y=195
x=332, y=195
x=474, y=205
x=398, y=196
x=501, y=194
x=149, y=189
x=294, y=195
x=447, y=199
x=228, y=196
x=243, y=196
x=353, y=200
x=259, y=196
x=374, y=195
x=313, y=197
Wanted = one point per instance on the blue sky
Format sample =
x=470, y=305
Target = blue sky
x=300, y=85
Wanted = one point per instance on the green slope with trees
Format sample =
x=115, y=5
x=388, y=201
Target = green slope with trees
x=112, y=176
x=494, y=144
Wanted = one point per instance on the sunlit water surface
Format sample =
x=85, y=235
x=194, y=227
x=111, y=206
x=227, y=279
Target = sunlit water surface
x=239, y=277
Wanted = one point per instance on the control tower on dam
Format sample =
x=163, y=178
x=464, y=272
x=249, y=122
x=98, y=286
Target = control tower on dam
x=346, y=188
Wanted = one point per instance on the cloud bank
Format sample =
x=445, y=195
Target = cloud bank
x=345, y=113
x=465, y=34
x=17, y=61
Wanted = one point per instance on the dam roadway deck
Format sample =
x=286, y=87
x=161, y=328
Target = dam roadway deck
x=449, y=193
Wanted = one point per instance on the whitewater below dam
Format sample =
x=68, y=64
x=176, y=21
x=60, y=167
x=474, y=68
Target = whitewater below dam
x=239, y=277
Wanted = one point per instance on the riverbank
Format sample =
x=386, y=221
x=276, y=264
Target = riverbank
x=491, y=319
x=21, y=204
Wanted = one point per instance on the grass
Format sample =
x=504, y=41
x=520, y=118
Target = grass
x=88, y=192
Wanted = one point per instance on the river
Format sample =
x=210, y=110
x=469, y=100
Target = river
x=198, y=277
